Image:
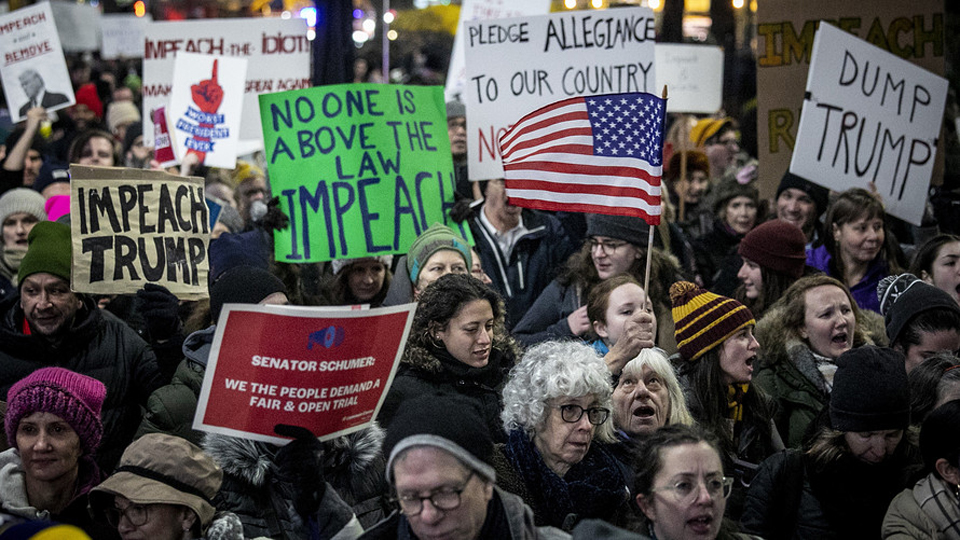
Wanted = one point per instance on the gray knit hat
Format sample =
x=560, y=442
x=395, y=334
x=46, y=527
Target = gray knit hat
x=22, y=200
x=628, y=229
x=339, y=264
x=456, y=109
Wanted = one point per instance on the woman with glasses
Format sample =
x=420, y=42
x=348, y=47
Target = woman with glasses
x=162, y=490
x=841, y=483
x=457, y=345
x=680, y=487
x=718, y=353
x=557, y=406
x=614, y=245
x=53, y=423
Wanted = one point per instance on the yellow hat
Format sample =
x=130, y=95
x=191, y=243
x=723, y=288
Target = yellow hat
x=704, y=319
x=706, y=128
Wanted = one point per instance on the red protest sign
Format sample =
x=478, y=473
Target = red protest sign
x=326, y=369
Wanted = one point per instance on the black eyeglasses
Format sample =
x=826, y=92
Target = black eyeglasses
x=136, y=514
x=573, y=413
x=442, y=499
x=607, y=246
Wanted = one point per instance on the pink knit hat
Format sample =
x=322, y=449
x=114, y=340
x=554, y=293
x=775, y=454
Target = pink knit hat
x=76, y=398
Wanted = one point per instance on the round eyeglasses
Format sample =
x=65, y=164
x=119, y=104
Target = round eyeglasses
x=441, y=499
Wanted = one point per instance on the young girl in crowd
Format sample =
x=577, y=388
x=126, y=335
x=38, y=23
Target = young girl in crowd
x=773, y=258
x=622, y=318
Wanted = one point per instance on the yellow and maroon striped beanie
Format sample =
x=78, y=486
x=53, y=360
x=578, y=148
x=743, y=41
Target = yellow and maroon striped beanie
x=703, y=319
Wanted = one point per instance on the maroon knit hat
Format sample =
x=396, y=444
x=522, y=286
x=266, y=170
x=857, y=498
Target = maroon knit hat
x=74, y=397
x=777, y=245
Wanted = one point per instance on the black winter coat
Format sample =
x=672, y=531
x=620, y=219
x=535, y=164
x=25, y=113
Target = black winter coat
x=98, y=345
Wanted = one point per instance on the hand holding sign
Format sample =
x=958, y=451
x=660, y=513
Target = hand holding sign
x=299, y=465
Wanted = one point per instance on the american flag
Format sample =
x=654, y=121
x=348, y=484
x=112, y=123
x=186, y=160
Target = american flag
x=597, y=154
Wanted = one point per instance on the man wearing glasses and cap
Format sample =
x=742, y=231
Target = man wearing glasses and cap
x=443, y=478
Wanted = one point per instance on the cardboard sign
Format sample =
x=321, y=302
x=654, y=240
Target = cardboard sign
x=78, y=25
x=205, y=106
x=693, y=75
x=33, y=71
x=134, y=226
x=475, y=10
x=277, y=51
x=121, y=35
x=515, y=66
x=361, y=169
x=911, y=30
x=326, y=369
x=869, y=117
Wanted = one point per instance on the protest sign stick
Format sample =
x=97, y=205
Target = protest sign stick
x=646, y=273
x=682, y=181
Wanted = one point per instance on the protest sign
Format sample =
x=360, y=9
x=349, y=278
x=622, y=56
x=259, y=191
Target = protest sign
x=693, y=75
x=205, y=105
x=912, y=30
x=78, y=25
x=473, y=10
x=361, y=169
x=326, y=369
x=163, y=146
x=121, y=35
x=34, y=72
x=277, y=51
x=869, y=116
x=134, y=226
x=551, y=57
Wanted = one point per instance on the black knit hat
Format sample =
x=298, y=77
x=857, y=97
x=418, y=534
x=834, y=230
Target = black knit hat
x=242, y=285
x=819, y=194
x=629, y=229
x=443, y=421
x=904, y=297
x=870, y=391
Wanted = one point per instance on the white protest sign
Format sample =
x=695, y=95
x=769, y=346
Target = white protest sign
x=693, y=75
x=122, y=35
x=473, y=10
x=33, y=71
x=869, y=116
x=517, y=65
x=277, y=51
x=78, y=26
x=205, y=105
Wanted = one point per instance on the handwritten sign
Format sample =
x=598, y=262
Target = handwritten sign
x=121, y=35
x=206, y=102
x=33, y=72
x=277, y=51
x=515, y=66
x=133, y=226
x=870, y=117
x=327, y=369
x=472, y=10
x=693, y=75
x=786, y=29
x=361, y=169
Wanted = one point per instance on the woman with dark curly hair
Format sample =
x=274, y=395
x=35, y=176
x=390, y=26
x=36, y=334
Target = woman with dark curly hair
x=457, y=345
x=858, y=249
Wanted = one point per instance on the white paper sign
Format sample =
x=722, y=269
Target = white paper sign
x=78, y=25
x=33, y=71
x=474, y=10
x=693, y=75
x=122, y=35
x=205, y=106
x=515, y=66
x=869, y=116
x=277, y=50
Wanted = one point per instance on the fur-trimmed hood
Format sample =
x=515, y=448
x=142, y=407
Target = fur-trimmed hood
x=351, y=464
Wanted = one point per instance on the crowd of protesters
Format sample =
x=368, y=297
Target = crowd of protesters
x=787, y=369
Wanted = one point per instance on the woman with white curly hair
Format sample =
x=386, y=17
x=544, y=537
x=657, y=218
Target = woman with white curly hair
x=557, y=413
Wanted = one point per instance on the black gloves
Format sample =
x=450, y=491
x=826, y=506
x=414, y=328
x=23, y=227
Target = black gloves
x=299, y=466
x=461, y=210
x=160, y=310
x=275, y=219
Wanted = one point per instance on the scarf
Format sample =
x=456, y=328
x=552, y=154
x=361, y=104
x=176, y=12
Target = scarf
x=939, y=504
x=827, y=369
x=593, y=488
x=10, y=263
x=735, y=393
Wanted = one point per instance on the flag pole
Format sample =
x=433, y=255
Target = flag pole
x=646, y=273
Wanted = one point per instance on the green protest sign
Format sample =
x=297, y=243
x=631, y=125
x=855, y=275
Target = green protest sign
x=361, y=169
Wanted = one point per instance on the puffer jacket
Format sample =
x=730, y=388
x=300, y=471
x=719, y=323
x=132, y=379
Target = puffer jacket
x=547, y=317
x=536, y=258
x=98, y=345
x=427, y=369
x=252, y=490
x=787, y=372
